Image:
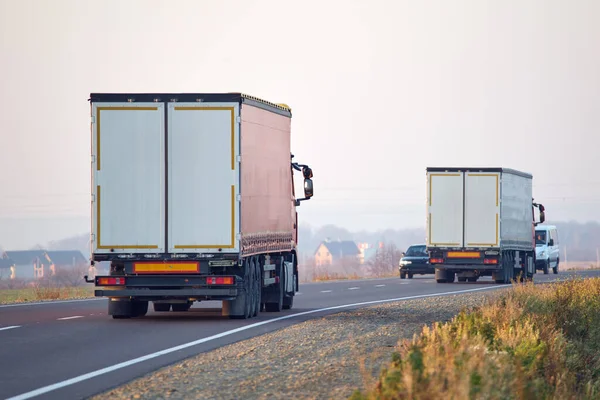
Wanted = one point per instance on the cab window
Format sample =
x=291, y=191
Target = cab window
x=540, y=238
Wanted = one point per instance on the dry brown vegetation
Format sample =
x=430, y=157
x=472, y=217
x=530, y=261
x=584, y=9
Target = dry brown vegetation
x=64, y=285
x=539, y=342
x=384, y=264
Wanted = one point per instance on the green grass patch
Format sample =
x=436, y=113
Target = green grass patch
x=532, y=342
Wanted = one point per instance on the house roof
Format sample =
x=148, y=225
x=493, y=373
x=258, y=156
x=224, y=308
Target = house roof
x=66, y=257
x=341, y=248
x=6, y=263
x=25, y=256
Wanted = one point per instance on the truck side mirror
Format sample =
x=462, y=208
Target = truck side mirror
x=542, y=217
x=403, y=254
x=308, y=188
x=551, y=242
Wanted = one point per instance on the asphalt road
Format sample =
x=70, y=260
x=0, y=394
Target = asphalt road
x=78, y=350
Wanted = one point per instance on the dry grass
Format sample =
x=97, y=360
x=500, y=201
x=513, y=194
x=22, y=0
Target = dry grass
x=334, y=276
x=533, y=342
x=579, y=265
x=43, y=291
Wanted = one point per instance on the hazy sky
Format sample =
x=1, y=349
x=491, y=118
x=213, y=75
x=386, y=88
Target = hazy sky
x=379, y=90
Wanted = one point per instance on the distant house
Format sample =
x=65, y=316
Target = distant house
x=367, y=251
x=65, y=260
x=330, y=251
x=28, y=264
x=37, y=264
x=6, y=266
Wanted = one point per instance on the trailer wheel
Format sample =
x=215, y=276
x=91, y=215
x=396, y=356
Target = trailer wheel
x=288, y=303
x=140, y=308
x=278, y=305
x=507, y=274
x=441, y=276
x=119, y=309
x=161, y=307
x=124, y=309
x=181, y=307
x=257, y=286
x=241, y=307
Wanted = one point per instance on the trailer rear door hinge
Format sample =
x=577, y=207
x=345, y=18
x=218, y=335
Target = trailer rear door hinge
x=238, y=119
x=93, y=119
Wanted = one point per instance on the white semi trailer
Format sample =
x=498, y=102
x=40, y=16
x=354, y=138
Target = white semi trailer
x=481, y=222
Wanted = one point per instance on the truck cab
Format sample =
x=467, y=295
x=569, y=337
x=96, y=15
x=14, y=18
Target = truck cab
x=547, y=251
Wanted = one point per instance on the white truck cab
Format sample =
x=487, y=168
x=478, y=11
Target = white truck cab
x=546, y=248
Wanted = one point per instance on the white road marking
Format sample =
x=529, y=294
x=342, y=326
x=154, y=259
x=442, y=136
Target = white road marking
x=39, y=303
x=66, y=318
x=404, y=283
x=115, y=367
x=10, y=327
x=325, y=291
x=379, y=285
x=353, y=288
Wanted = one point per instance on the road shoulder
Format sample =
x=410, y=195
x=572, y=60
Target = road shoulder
x=327, y=357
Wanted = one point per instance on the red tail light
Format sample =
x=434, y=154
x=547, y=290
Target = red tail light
x=436, y=260
x=111, y=281
x=219, y=280
x=490, y=261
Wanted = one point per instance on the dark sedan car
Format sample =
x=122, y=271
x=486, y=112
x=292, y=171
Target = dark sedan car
x=415, y=261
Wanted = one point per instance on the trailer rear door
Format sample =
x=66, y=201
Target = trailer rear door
x=445, y=204
x=128, y=189
x=482, y=209
x=203, y=177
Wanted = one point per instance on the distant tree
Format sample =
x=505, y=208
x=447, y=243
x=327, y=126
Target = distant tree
x=385, y=261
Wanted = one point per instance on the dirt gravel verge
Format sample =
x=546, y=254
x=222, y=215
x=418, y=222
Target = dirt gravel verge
x=324, y=358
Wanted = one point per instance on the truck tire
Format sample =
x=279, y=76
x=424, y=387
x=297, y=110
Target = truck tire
x=257, y=286
x=442, y=276
x=402, y=275
x=161, y=307
x=546, y=267
x=124, y=309
x=288, y=302
x=288, y=298
x=555, y=268
x=181, y=307
x=278, y=305
x=241, y=307
x=140, y=308
x=410, y=275
x=507, y=274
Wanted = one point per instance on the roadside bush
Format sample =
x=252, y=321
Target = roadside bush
x=534, y=342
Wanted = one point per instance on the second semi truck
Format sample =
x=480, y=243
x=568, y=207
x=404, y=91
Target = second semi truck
x=193, y=199
x=481, y=222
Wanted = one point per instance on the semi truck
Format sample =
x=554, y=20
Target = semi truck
x=193, y=199
x=481, y=222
